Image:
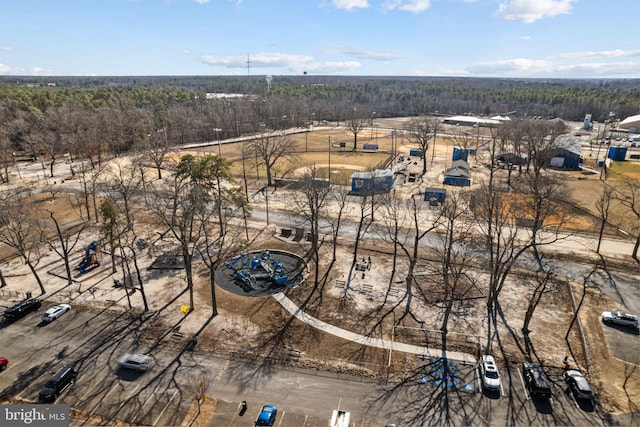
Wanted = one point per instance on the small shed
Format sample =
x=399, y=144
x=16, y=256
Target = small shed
x=619, y=154
x=460, y=154
x=370, y=147
x=567, y=154
x=415, y=152
x=458, y=174
x=435, y=194
x=379, y=180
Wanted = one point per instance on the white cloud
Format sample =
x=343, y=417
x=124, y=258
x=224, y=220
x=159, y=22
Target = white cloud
x=330, y=67
x=350, y=4
x=259, y=60
x=295, y=64
x=524, y=67
x=527, y=38
x=201, y=1
x=616, y=53
x=413, y=6
x=363, y=54
x=530, y=11
x=6, y=48
x=518, y=66
x=27, y=71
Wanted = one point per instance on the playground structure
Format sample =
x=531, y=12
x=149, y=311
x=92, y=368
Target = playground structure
x=271, y=268
x=91, y=257
x=261, y=273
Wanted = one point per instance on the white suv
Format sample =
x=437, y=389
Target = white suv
x=489, y=373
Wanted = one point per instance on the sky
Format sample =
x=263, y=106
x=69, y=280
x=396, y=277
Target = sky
x=468, y=38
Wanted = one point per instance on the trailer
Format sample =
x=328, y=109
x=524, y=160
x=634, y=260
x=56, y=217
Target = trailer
x=340, y=418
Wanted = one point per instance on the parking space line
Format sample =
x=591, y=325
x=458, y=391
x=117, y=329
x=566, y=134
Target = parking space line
x=526, y=392
x=113, y=387
x=281, y=418
x=95, y=383
x=152, y=394
x=222, y=369
x=124, y=402
x=165, y=408
x=305, y=420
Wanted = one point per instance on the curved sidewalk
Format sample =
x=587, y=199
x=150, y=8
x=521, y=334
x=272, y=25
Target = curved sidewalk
x=289, y=305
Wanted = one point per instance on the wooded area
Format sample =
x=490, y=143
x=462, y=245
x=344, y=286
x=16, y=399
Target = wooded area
x=93, y=116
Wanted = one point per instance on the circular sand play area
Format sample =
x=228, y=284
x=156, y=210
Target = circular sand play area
x=262, y=273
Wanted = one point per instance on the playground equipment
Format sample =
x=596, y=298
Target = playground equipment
x=273, y=267
x=260, y=268
x=91, y=257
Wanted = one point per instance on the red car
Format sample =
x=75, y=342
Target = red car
x=3, y=363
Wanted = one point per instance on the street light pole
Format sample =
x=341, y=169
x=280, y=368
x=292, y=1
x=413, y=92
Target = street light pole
x=373, y=116
x=393, y=148
x=217, y=131
x=329, y=174
x=262, y=125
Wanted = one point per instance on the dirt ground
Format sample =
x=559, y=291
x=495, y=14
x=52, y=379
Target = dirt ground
x=374, y=302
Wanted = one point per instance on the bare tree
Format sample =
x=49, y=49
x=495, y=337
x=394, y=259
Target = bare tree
x=338, y=198
x=603, y=205
x=544, y=283
x=496, y=217
x=410, y=247
x=420, y=131
x=540, y=141
x=21, y=230
x=68, y=236
x=156, y=147
x=270, y=149
x=311, y=201
x=394, y=219
x=122, y=201
x=454, y=256
x=629, y=197
x=356, y=126
x=541, y=207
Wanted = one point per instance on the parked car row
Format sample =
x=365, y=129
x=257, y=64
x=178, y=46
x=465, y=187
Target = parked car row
x=22, y=308
x=65, y=376
x=535, y=379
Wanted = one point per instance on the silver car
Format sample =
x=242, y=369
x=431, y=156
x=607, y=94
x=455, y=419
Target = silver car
x=136, y=362
x=620, y=318
x=578, y=385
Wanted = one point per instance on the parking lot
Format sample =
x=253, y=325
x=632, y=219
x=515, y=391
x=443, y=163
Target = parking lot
x=92, y=342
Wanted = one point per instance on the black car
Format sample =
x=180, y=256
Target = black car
x=536, y=380
x=578, y=385
x=57, y=384
x=21, y=309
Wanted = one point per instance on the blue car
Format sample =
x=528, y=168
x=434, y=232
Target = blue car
x=267, y=416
